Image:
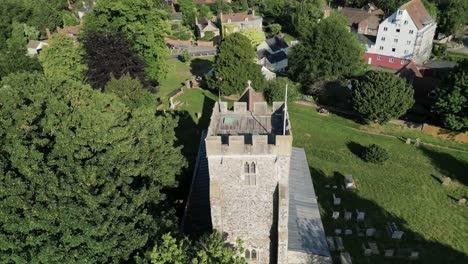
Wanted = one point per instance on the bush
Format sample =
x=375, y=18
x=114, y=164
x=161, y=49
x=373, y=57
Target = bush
x=185, y=56
x=375, y=154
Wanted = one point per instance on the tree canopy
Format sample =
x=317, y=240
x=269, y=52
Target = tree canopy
x=63, y=58
x=454, y=17
x=256, y=37
x=328, y=52
x=381, y=96
x=116, y=51
x=234, y=65
x=452, y=99
x=81, y=174
x=143, y=23
x=210, y=249
x=276, y=90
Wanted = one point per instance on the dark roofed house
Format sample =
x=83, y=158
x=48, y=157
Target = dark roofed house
x=273, y=54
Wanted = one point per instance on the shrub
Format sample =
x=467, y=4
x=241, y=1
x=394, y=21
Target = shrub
x=185, y=56
x=375, y=154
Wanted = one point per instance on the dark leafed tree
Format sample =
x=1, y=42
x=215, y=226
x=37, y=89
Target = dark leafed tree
x=81, y=174
x=329, y=52
x=381, y=96
x=110, y=53
x=234, y=65
x=452, y=99
x=142, y=22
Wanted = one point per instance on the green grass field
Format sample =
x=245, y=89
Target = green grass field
x=179, y=72
x=406, y=190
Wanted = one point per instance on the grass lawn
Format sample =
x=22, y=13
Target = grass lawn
x=406, y=190
x=179, y=72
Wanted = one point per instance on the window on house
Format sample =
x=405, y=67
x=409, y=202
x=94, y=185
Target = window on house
x=379, y=57
x=381, y=48
x=254, y=254
x=395, y=40
x=400, y=12
x=403, y=62
x=406, y=51
x=398, y=30
x=391, y=60
x=385, y=29
x=411, y=31
x=247, y=254
x=393, y=20
x=408, y=42
x=393, y=49
x=406, y=22
x=383, y=39
x=252, y=168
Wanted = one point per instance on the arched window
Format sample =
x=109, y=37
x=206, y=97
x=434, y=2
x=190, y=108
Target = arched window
x=246, y=167
x=247, y=254
x=252, y=168
x=254, y=254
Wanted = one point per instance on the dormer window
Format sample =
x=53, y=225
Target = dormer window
x=400, y=12
x=229, y=20
x=246, y=19
x=406, y=22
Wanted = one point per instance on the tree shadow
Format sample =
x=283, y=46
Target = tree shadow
x=356, y=148
x=378, y=218
x=200, y=66
x=447, y=164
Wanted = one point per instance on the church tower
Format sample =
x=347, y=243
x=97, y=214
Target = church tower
x=249, y=152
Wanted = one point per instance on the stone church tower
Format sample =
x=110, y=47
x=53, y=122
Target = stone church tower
x=245, y=168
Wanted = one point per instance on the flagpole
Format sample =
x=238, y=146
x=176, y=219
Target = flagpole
x=285, y=109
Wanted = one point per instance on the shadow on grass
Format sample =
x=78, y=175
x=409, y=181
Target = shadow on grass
x=356, y=148
x=447, y=164
x=188, y=133
x=375, y=217
x=200, y=66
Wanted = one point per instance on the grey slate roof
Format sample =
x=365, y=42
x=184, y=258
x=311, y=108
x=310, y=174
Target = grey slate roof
x=276, y=44
x=197, y=218
x=306, y=233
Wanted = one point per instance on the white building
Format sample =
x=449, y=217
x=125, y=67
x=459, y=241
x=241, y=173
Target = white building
x=34, y=47
x=272, y=53
x=404, y=36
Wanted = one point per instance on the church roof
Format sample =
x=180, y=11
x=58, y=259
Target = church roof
x=249, y=96
x=305, y=229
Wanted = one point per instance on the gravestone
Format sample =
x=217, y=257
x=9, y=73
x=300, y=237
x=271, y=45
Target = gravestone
x=349, y=182
x=339, y=243
x=337, y=231
x=367, y=250
x=347, y=215
x=370, y=232
x=408, y=141
x=374, y=248
x=345, y=258
x=397, y=235
x=348, y=232
x=360, y=216
x=336, y=200
x=417, y=143
x=331, y=243
x=414, y=255
x=446, y=181
x=389, y=253
x=335, y=215
x=462, y=201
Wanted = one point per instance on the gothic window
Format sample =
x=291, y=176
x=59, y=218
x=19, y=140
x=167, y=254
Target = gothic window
x=385, y=29
x=247, y=254
x=411, y=31
x=252, y=168
x=246, y=167
x=254, y=254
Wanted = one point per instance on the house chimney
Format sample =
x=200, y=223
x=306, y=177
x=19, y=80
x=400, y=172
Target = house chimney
x=48, y=33
x=253, y=11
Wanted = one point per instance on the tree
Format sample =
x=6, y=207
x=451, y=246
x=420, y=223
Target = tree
x=81, y=174
x=245, y=5
x=255, y=37
x=328, y=53
x=116, y=50
x=130, y=91
x=63, y=58
x=381, y=96
x=275, y=29
x=205, y=11
x=452, y=99
x=220, y=6
x=210, y=249
x=234, y=65
x=375, y=154
x=454, y=17
x=185, y=56
x=189, y=10
x=275, y=90
x=142, y=22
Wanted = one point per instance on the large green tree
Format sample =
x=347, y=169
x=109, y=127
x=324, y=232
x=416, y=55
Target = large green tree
x=234, y=65
x=81, y=174
x=452, y=99
x=329, y=52
x=143, y=23
x=63, y=58
x=381, y=96
x=209, y=249
x=454, y=17
x=130, y=91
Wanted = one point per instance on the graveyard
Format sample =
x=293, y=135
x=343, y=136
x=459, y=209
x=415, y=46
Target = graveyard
x=405, y=211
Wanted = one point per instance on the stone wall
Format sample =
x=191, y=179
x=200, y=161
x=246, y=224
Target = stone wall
x=295, y=257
